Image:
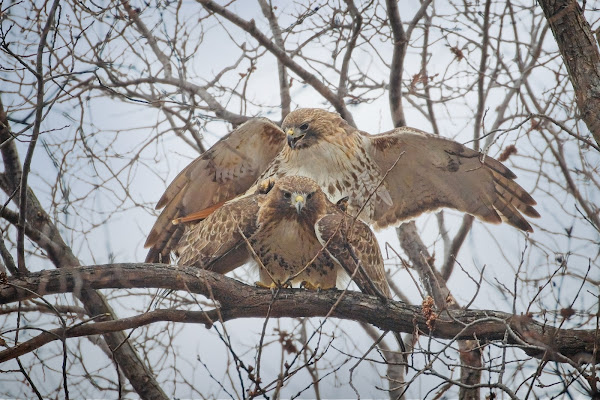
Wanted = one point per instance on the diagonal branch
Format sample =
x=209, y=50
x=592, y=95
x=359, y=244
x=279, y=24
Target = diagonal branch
x=250, y=26
x=42, y=231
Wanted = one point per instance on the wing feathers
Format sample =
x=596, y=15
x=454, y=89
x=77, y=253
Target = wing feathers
x=510, y=214
x=494, y=164
x=434, y=172
x=352, y=249
x=523, y=200
x=486, y=211
x=223, y=172
x=180, y=181
x=216, y=242
x=199, y=215
x=160, y=240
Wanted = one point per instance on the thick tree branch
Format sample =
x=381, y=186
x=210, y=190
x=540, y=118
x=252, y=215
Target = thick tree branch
x=435, y=285
x=238, y=300
x=580, y=54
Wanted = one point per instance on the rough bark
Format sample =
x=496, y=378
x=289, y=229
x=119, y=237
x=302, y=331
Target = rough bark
x=580, y=54
x=238, y=300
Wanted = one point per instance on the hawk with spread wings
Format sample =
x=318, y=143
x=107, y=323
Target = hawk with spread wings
x=295, y=235
x=388, y=178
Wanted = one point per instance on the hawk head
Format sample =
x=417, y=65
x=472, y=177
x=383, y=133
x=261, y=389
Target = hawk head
x=297, y=197
x=305, y=127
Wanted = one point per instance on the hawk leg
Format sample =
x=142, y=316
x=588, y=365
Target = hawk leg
x=311, y=286
x=272, y=285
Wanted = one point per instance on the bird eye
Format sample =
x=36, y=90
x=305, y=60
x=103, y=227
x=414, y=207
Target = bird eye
x=287, y=195
x=303, y=127
x=309, y=195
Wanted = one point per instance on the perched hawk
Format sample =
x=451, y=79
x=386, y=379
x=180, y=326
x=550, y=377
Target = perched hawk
x=295, y=235
x=388, y=178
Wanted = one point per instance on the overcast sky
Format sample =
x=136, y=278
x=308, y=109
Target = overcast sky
x=124, y=223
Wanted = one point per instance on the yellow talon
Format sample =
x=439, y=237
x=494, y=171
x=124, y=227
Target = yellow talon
x=310, y=286
x=272, y=286
x=266, y=185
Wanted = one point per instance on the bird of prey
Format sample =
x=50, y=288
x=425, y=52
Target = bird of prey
x=295, y=235
x=389, y=178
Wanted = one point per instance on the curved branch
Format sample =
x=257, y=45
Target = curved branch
x=356, y=27
x=401, y=38
x=238, y=300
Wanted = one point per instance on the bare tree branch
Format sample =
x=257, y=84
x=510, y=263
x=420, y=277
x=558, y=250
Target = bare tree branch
x=61, y=255
x=250, y=26
x=580, y=54
x=284, y=80
x=238, y=300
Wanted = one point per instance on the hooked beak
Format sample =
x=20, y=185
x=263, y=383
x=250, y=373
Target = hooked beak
x=293, y=136
x=299, y=202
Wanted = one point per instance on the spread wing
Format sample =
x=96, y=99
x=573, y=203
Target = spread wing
x=224, y=171
x=432, y=172
x=354, y=246
x=216, y=243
